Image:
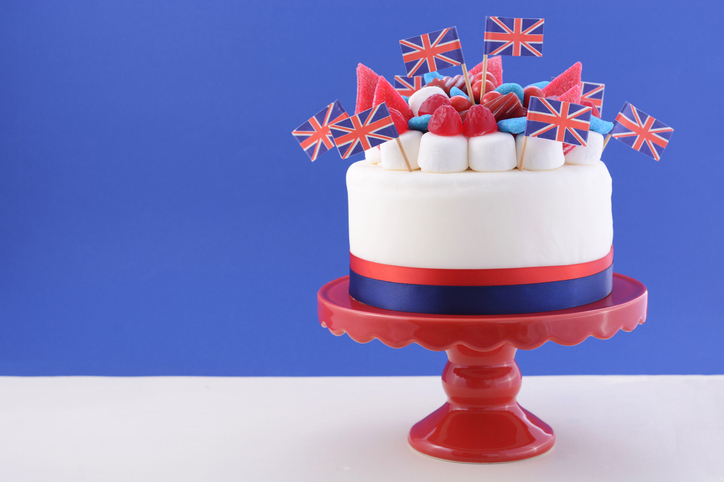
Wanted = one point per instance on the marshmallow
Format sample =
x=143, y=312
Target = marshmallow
x=392, y=156
x=588, y=155
x=373, y=155
x=540, y=154
x=492, y=152
x=421, y=96
x=443, y=153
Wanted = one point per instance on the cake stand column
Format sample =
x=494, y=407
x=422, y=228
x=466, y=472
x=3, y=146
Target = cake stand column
x=481, y=421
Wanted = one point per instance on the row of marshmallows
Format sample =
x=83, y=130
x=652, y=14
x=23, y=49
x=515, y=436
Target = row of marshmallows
x=454, y=145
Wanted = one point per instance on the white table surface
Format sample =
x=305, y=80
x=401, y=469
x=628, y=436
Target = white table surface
x=651, y=428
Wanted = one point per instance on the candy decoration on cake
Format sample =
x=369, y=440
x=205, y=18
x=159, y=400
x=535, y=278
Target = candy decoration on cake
x=640, y=131
x=314, y=135
x=593, y=92
x=365, y=130
x=511, y=36
x=433, y=51
x=408, y=85
x=556, y=121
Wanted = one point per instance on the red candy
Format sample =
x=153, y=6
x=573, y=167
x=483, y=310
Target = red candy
x=432, y=103
x=366, y=86
x=495, y=67
x=594, y=111
x=531, y=91
x=460, y=103
x=399, y=120
x=489, y=87
x=563, y=83
x=384, y=92
x=491, y=95
x=479, y=121
x=445, y=121
x=507, y=106
x=437, y=82
x=447, y=83
x=571, y=95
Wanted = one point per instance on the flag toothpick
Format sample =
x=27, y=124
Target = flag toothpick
x=404, y=154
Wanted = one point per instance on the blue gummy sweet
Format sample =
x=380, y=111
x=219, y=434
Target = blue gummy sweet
x=432, y=75
x=540, y=84
x=508, y=88
x=419, y=123
x=600, y=126
x=515, y=125
x=455, y=91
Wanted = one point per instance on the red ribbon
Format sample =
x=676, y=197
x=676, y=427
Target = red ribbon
x=477, y=277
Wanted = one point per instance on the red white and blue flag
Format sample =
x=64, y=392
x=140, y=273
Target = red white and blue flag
x=513, y=36
x=314, y=135
x=558, y=121
x=640, y=131
x=432, y=51
x=408, y=85
x=593, y=92
x=363, y=131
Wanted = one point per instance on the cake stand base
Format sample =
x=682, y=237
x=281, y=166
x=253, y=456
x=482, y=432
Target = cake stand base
x=482, y=421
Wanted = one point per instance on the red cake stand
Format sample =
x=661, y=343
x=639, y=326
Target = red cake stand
x=481, y=421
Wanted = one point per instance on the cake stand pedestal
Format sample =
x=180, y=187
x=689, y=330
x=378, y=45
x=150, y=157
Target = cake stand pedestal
x=481, y=421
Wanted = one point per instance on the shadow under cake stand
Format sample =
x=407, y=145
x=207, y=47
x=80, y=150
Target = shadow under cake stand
x=481, y=421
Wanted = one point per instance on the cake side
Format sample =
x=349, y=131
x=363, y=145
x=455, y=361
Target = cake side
x=474, y=220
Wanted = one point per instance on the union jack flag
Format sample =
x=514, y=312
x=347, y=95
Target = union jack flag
x=432, y=51
x=314, y=135
x=513, y=36
x=638, y=130
x=408, y=85
x=363, y=131
x=558, y=121
x=593, y=92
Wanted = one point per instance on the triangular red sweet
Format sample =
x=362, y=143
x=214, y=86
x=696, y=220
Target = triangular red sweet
x=563, y=83
x=572, y=95
x=366, y=85
x=495, y=66
x=384, y=92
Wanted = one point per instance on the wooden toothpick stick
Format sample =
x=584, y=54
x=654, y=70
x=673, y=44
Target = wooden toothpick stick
x=467, y=84
x=608, y=138
x=522, y=154
x=485, y=76
x=404, y=154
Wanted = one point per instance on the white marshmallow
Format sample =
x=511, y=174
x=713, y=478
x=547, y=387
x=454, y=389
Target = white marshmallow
x=443, y=153
x=421, y=96
x=588, y=155
x=492, y=152
x=373, y=155
x=392, y=156
x=540, y=154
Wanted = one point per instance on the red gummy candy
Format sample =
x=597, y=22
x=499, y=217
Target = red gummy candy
x=445, y=121
x=572, y=95
x=491, y=95
x=507, y=106
x=563, y=83
x=438, y=82
x=432, y=103
x=489, y=87
x=594, y=111
x=366, y=86
x=460, y=103
x=387, y=94
x=495, y=67
x=399, y=120
x=531, y=91
x=479, y=121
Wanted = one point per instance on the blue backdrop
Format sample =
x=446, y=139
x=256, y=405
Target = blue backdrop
x=157, y=217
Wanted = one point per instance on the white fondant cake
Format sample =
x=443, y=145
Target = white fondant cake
x=480, y=220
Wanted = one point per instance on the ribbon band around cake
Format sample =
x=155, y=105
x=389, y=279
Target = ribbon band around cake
x=480, y=291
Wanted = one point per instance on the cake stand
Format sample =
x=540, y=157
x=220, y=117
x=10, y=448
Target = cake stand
x=481, y=421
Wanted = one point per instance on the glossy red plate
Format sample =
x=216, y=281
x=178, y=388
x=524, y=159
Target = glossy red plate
x=481, y=421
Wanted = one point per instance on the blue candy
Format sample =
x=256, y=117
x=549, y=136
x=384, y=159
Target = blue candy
x=512, y=126
x=419, y=123
x=508, y=88
x=540, y=84
x=455, y=91
x=432, y=75
x=600, y=126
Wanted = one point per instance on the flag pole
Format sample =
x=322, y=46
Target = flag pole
x=485, y=76
x=608, y=138
x=522, y=154
x=467, y=84
x=404, y=154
